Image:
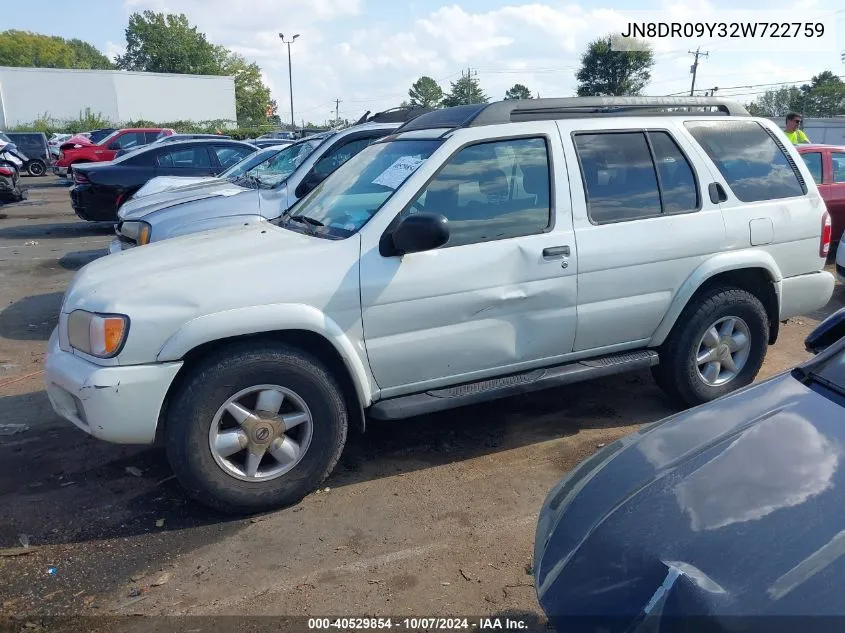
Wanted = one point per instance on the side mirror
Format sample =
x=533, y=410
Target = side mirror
x=419, y=232
x=826, y=333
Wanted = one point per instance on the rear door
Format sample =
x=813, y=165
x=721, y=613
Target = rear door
x=181, y=160
x=643, y=220
x=835, y=194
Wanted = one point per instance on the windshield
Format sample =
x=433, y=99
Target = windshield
x=256, y=158
x=346, y=201
x=106, y=140
x=272, y=172
x=831, y=373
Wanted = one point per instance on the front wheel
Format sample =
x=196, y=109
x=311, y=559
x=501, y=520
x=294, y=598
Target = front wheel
x=255, y=427
x=717, y=346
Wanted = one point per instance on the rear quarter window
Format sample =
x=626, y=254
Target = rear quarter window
x=754, y=164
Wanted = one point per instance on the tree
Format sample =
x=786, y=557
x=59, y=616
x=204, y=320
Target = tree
x=464, y=91
x=825, y=96
x=251, y=95
x=425, y=93
x=25, y=49
x=518, y=91
x=607, y=72
x=167, y=43
x=775, y=103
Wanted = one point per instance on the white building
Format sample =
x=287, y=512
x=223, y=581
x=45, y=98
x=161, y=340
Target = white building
x=120, y=96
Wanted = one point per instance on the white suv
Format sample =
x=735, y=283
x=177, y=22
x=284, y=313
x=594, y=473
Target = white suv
x=480, y=251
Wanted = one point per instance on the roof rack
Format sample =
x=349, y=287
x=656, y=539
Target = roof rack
x=400, y=114
x=515, y=110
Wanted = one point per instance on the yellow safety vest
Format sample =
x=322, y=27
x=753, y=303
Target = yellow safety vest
x=797, y=137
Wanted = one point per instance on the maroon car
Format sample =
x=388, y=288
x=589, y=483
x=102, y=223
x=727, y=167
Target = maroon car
x=827, y=164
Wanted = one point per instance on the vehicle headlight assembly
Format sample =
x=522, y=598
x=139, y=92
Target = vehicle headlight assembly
x=138, y=231
x=100, y=335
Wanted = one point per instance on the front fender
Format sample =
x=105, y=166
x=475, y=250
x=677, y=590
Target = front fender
x=272, y=318
x=720, y=263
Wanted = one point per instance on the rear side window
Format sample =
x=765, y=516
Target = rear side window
x=813, y=160
x=838, y=160
x=634, y=175
x=752, y=162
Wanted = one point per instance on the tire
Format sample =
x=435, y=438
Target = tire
x=678, y=373
x=205, y=474
x=36, y=168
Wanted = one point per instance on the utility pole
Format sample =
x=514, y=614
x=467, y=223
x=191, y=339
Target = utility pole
x=290, y=79
x=694, y=68
x=336, y=110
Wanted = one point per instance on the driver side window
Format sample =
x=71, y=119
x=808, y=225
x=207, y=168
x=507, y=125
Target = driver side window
x=337, y=156
x=492, y=191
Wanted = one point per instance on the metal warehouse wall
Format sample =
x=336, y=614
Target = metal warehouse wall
x=28, y=93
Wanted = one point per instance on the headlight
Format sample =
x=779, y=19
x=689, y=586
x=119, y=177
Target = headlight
x=100, y=335
x=138, y=231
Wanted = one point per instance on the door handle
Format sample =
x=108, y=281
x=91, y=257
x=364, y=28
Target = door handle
x=556, y=251
x=717, y=193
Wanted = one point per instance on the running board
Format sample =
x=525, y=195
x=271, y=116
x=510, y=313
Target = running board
x=526, y=382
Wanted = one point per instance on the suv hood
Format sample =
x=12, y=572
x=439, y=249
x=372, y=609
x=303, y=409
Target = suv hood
x=169, y=183
x=703, y=514
x=165, y=285
x=135, y=209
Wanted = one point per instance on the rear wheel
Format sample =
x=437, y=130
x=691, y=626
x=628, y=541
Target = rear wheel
x=717, y=346
x=255, y=427
x=36, y=167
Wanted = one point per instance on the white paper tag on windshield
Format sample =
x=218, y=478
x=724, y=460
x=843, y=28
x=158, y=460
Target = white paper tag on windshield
x=396, y=174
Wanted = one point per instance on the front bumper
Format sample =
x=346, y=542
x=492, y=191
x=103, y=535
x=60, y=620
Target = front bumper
x=60, y=171
x=115, y=404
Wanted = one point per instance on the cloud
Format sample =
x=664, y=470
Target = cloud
x=368, y=57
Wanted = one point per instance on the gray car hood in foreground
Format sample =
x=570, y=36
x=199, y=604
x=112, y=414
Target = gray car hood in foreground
x=728, y=515
x=219, y=188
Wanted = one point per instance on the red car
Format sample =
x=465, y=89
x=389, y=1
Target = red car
x=80, y=150
x=827, y=164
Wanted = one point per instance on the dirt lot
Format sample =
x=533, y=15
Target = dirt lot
x=434, y=516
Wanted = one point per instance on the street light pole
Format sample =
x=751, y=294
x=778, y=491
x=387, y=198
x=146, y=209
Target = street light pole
x=290, y=79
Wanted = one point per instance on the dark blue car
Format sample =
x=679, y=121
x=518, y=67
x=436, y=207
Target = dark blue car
x=726, y=517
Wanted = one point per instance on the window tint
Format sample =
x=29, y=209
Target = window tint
x=153, y=136
x=195, y=157
x=749, y=159
x=838, y=159
x=336, y=156
x=229, y=156
x=813, y=161
x=492, y=191
x=677, y=180
x=619, y=174
x=129, y=140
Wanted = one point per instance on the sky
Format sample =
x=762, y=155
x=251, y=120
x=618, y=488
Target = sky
x=367, y=53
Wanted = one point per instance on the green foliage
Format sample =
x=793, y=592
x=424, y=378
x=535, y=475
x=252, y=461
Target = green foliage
x=518, y=91
x=25, y=49
x=251, y=95
x=425, y=92
x=465, y=90
x=166, y=43
x=778, y=102
x=606, y=72
x=823, y=97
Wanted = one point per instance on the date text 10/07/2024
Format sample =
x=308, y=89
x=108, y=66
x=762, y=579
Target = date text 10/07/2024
x=415, y=624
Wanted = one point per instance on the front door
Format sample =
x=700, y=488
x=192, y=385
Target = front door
x=500, y=295
x=834, y=196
